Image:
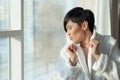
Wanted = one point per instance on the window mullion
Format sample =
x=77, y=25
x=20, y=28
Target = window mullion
x=11, y=33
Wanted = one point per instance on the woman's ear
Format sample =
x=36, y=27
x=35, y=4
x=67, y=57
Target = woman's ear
x=85, y=25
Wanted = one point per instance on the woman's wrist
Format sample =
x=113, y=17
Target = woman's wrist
x=73, y=61
x=96, y=56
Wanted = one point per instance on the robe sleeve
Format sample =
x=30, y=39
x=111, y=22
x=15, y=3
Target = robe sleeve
x=109, y=65
x=65, y=70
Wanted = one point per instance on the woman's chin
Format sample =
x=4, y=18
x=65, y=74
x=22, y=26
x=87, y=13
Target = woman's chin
x=76, y=42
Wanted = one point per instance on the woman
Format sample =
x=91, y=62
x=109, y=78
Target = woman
x=90, y=55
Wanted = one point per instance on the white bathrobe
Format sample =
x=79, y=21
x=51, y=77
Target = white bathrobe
x=106, y=68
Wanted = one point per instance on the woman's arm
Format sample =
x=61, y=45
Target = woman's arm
x=109, y=66
x=65, y=70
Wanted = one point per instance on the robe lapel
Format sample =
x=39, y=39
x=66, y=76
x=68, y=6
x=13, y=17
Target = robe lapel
x=90, y=58
x=82, y=60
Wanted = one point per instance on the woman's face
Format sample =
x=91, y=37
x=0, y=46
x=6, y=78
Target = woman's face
x=74, y=31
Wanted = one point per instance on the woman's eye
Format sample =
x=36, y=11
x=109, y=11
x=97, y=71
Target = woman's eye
x=70, y=28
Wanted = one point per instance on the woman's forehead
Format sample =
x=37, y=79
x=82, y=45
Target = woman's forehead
x=71, y=23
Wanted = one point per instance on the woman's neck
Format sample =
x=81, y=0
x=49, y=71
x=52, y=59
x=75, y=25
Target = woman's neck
x=86, y=40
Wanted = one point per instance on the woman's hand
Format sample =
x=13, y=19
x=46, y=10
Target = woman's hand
x=94, y=44
x=71, y=51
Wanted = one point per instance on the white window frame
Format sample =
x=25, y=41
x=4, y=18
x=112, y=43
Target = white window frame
x=16, y=40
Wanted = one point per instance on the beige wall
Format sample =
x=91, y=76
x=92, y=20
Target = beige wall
x=87, y=4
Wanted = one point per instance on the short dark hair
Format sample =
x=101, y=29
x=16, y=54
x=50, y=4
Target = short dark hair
x=78, y=15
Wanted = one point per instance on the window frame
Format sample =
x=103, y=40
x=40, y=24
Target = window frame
x=16, y=58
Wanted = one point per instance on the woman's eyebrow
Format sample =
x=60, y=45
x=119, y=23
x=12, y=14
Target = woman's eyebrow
x=68, y=26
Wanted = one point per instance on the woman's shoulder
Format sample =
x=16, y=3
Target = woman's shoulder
x=107, y=43
x=106, y=39
x=63, y=48
x=63, y=51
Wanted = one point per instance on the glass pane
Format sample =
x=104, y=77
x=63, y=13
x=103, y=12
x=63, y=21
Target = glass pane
x=4, y=14
x=4, y=56
x=10, y=15
x=44, y=36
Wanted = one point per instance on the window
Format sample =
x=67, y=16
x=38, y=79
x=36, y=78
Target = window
x=4, y=14
x=4, y=55
x=11, y=40
x=44, y=36
x=31, y=36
